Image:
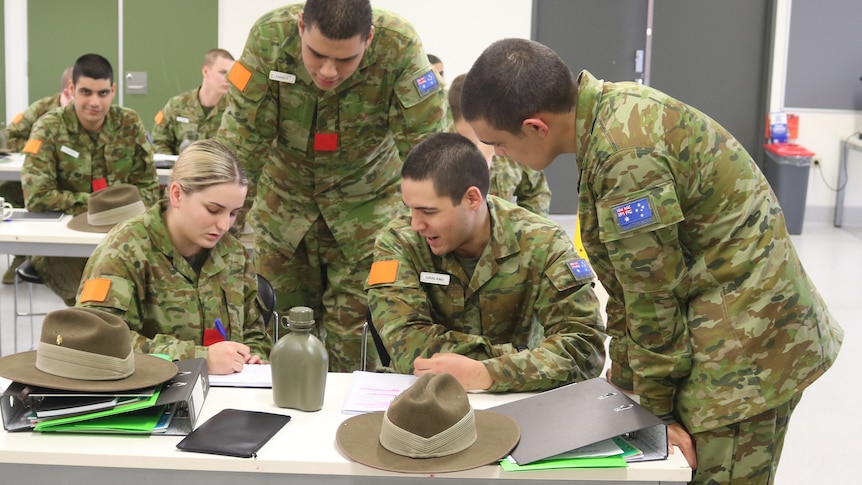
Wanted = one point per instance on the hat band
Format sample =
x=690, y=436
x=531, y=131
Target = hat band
x=116, y=215
x=456, y=438
x=77, y=364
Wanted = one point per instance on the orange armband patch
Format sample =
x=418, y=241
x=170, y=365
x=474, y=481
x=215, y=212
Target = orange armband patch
x=239, y=76
x=32, y=147
x=95, y=289
x=17, y=119
x=160, y=116
x=383, y=272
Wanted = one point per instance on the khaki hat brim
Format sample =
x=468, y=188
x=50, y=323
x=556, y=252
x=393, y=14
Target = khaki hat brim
x=79, y=223
x=358, y=438
x=149, y=371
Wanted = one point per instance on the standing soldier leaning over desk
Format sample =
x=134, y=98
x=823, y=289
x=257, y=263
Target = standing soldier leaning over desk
x=345, y=92
x=196, y=114
x=79, y=149
x=17, y=134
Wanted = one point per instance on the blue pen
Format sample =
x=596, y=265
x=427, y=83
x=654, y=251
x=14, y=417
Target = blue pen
x=220, y=328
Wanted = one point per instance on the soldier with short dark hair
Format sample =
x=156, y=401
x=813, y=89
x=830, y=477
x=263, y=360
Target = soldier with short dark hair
x=80, y=149
x=196, y=114
x=327, y=100
x=478, y=287
x=509, y=180
x=714, y=323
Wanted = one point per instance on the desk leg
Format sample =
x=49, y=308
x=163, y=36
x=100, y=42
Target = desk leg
x=842, y=182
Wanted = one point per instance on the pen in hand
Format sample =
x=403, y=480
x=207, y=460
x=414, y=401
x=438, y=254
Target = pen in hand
x=221, y=329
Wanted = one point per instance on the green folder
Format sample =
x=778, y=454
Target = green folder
x=115, y=418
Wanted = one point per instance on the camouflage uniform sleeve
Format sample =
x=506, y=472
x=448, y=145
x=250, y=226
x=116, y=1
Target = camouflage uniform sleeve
x=39, y=173
x=572, y=348
x=124, y=296
x=18, y=132
x=254, y=334
x=143, y=173
x=414, y=115
x=250, y=122
x=649, y=264
x=401, y=312
x=164, y=140
x=533, y=192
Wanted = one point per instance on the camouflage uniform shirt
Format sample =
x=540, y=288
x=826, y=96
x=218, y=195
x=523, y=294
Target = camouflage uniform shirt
x=63, y=159
x=184, y=113
x=337, y=153
x=521, y=280
x=712, y=316
x=165, y=302
x=18, y=132
x=515, y=182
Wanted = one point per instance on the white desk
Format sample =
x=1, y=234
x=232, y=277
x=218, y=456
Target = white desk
x=10, y=169
x=46, y=238
x=852, y=143
x=304, y=451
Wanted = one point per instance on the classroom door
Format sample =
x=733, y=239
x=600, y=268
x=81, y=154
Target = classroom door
x=60, y=31
x=602, y=37
x=165, y=39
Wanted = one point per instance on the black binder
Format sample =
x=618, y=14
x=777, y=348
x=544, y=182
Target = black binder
x=185, y=394
x=581, y=414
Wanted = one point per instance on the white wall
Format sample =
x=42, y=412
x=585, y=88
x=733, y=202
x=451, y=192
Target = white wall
x=458, y=30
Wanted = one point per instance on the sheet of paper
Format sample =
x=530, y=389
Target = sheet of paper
x=372, y=391
x=252, y=375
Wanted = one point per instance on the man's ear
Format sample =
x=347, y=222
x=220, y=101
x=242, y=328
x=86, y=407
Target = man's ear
x=535, y=125
x=473, y=197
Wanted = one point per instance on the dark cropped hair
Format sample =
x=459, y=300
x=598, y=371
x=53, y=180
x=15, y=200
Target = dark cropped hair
x=338, y=19
x=451, y=162
x=92, y=66
x=512, y=80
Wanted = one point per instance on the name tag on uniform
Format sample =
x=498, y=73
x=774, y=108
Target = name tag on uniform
x=69, y=151
x=434, y=278
x=282, y=77
x=182, y=119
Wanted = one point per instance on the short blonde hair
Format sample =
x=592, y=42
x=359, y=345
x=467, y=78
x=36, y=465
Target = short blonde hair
x=205, y=163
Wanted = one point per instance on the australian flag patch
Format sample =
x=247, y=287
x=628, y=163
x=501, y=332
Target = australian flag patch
x=426, y=83
x=580, y=269
x=634, y=214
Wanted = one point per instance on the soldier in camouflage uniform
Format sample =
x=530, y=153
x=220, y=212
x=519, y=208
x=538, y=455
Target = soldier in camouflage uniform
x=196, y=114
x=17, y=134
x=714, y=322
x=509, y=179
x=171, y=294
x=327, y=100
x=462, y=285
x=79, y=149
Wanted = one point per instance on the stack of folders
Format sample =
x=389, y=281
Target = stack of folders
x=171, y=408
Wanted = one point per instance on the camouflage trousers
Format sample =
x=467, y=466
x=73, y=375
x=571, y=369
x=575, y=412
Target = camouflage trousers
x=61, y=275
x=319, y=276
x=744, y=453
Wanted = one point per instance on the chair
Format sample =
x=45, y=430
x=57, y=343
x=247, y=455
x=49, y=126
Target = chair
x=266, y=294
x=26, y=272
x=367, y=328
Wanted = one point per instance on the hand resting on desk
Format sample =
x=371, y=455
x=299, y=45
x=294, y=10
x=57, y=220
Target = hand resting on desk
x=229, y=357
